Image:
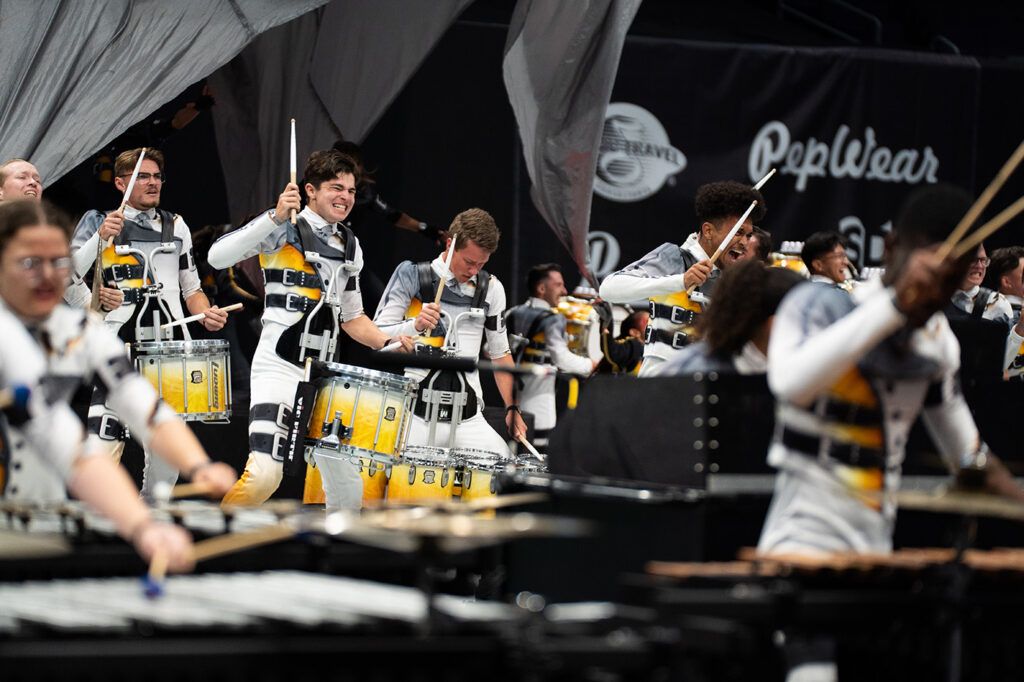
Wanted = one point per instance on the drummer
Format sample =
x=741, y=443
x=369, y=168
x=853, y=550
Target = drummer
x=851, y=373
x=55, y=350
x=316, y=258
x=19, y=179
x=665, y=274
x=142, y=225
x=541, y=331
x=408, y=307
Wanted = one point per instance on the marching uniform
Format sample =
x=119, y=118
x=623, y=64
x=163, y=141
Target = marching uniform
x=658, y=277
x=56, y=358
x=413, y=284
x=312, y=286
x=697, y=358
x=850, y=381
x=991, y=305
x=165, y=259
x=542, y=332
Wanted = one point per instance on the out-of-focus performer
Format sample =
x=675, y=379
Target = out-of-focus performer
x=52, y=350
x=311, y=270
x=824, y=254
x=624, y=353
x=471, y=315
x=665, y=274
x=540, y=332
x=19, y=179
x=972, y=300
x=158, y=247
x=736, y=330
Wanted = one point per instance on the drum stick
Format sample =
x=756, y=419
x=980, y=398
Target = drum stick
x=156, y=575
x=391, y=347
x=97, y=275
x=199, y=316
x=236, y=542
x=766, y=178
x=447, y=271
x=989, y=228
x=729, y=237
x=292, y=166
x=529, y=446
x=14, y=396
x=979, y=205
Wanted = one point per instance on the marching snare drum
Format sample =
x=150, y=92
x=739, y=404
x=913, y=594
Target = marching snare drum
x=361, y=415
x=193, y=377
x=423, y=472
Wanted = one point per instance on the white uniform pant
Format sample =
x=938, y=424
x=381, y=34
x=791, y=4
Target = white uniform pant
x=274, y=380
x=474, y=433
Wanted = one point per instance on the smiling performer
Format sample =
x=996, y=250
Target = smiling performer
x=312, y=275
x=76, y=348
x=665, y=274
x=160, y=250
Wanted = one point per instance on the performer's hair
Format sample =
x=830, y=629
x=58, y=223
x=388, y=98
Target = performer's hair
x=326, y=164
x=820, y=244
x=632, y=321
x=764, y=244
x=1004, y=260
x=539, y=273
x=125, y=162
x=18, y=214
x=929, y=214
x=746, y=295
x=717, y=201
x=5, y=164
x=478, y=226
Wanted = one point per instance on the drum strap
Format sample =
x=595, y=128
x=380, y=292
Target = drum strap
x=675, y=339
x=845, y=453
x=673, y=313
x=271, y=444
x=278, y=413
x=291, y=302
x=107, y=427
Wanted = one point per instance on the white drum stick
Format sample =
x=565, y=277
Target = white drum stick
x=391, y=347
x=529, y=446
x=760, y=183
x=292, y=166
x=447, y=270
x=97, y=279
x=198, y=316
x=729, y=237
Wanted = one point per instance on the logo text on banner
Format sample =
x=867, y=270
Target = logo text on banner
x=844, y=158
x=636, y=157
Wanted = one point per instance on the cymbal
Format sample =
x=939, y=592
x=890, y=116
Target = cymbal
x=961, y=502
x=14, y=545
x=407, y=529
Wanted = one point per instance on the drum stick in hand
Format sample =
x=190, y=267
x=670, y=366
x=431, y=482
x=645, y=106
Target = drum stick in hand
x=729, y=237
x=447, y=271
x=199, y=316
x=529, y=446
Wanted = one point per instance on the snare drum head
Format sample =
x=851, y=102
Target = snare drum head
x=530, y=464
x=479, y=459
x=199, y=347
x=422, y=455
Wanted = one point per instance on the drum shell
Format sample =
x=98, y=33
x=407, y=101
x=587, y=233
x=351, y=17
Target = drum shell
x=423, y=473
x=193, y=377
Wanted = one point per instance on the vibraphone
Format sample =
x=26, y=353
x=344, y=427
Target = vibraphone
x=918, y=613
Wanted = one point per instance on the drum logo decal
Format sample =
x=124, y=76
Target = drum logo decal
x=390, y=414
x=428, y=476
x=197, y=376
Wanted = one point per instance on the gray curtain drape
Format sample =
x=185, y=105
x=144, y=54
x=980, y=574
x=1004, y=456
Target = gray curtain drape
x=559, y=68
x=77, y=73
x=334, y=71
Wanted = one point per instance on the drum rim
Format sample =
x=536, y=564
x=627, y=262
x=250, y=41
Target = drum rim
x=353, y=451
x=448, y=462
x=385, y=379
x=153, y=347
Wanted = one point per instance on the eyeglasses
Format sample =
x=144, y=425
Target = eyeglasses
x=146, y=177
x=33, y=265
x=984, y=262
